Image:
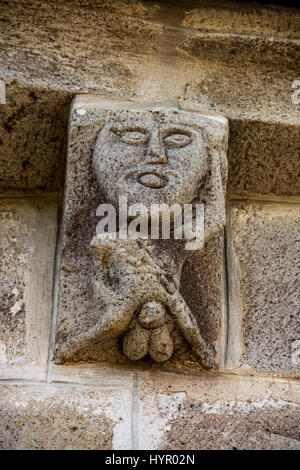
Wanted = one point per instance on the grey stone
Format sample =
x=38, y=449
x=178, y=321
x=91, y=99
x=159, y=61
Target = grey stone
x=152, y=315
x=123, y=275
x=263, y=250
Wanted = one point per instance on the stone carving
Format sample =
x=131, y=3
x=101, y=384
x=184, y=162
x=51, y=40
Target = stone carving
x=154, y=155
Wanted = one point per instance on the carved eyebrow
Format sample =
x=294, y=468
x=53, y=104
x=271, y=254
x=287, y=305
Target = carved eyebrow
x=119, y=129
x=176, y=130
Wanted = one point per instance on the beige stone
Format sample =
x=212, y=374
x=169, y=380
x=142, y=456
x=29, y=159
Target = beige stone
x=56, y=417
x=236, y=60
x=93, y=374
x=33, y=124
x=232, y=17
x=263, y=158
x=119, y=62
x=112, y=145
x=216, y=411
x=234, y=426
x=28, y=238
x=263, y=254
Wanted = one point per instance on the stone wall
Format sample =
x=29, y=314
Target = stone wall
x=230, y=58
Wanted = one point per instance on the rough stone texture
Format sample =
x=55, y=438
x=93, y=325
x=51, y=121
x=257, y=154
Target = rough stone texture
x=216, y=411
x=33, y=127
x=201, y=285
x=237, y=59
x=260, y=164
x=136, y=51
x=213, y=16
x=27, y=244
x=234, y=426
x=55, y=417
x=125, y=274
x=234, y=58
x=263, y=255
x=2, y=92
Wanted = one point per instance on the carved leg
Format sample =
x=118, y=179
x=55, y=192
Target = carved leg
x=115, y=319
x=190, y=330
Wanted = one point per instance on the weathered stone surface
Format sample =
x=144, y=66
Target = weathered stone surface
x=27, y=243
x=234, y=426
x=263, y=158
x=263, y=254
x=244, y=18
x=232, y=17
x=57, y=417
x=156, y=51
x=2, y=92
x=263, y=155
x=74, y=49
x=201, y=285
x=113, y=144
x=33, y=126
x=149, y=52
x=97, y=375
x=215, y=411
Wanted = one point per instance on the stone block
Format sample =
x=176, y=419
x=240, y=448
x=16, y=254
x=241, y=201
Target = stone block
x=263, y=158
x=28, y=238
x=33, y=127
x=216, y=412
x=221, y=59
x=263, y=255
x=82, y=303
x=48, y=417
x=97, y=375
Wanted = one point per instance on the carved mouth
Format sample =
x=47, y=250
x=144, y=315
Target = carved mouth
x=152, y=180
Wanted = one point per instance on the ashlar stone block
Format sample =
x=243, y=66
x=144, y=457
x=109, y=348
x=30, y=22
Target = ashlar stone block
x=264, y=287
x=58, y=417
x=217, y=411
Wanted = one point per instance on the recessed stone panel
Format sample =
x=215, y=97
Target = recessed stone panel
x=28, y=238
x=33, y=127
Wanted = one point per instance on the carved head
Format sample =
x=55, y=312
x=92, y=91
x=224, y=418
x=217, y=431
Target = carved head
x=151, y=157
x=161, y=155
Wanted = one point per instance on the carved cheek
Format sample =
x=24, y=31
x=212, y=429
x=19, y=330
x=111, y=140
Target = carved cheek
x=127, y=155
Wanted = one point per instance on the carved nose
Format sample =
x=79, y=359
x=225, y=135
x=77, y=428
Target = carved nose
x=156, y=152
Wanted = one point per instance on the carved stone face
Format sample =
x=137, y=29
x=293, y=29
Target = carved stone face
x=150, y=157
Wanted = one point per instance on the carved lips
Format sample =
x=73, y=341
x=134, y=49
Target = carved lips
x=152, y=180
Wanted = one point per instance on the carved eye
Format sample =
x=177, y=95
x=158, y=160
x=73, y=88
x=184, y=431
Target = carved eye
x=177, y=140
x=134, y=138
